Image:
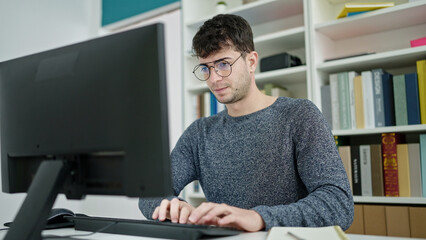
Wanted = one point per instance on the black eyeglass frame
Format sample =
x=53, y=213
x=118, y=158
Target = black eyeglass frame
x=214, y=64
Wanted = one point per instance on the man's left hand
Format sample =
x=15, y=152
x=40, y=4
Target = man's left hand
x=227, y=216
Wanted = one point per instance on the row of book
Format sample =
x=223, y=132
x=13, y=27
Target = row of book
x=392, y=168
x=375, y=98
x=207, y=105
x=355, y=8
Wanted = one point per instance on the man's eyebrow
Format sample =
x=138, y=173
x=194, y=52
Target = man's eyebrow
x=220, y=59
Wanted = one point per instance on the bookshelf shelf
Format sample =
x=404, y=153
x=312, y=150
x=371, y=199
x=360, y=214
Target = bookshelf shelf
x=408, y=14
x=400, y=129
x=275, y=10
x=391, y=200
x=389, y=59
x=286, y=39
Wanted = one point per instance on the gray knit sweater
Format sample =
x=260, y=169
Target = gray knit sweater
x=280, y=161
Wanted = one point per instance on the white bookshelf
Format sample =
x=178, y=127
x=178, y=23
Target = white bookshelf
x=309, y=29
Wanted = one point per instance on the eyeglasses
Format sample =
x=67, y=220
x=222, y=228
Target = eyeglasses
x=222, y=67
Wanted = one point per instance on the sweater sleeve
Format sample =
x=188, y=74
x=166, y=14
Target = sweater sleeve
x=183, y=167
x=329, y=200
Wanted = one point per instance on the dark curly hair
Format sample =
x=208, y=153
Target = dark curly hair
x=221, y=31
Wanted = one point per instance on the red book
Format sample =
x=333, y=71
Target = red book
x=390, y=163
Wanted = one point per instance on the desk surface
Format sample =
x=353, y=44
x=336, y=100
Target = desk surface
x=243, y=236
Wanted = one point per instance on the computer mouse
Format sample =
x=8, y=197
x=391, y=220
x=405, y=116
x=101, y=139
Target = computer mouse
x=57, y=215
x=56, y=219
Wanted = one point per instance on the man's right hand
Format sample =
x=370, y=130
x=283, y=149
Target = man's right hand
x=176, y=210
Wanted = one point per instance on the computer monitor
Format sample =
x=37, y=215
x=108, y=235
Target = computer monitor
x=89, y=118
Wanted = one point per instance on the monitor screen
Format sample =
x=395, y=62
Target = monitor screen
x=98, y=107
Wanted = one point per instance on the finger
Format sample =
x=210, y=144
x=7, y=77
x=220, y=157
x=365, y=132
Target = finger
x=201, y=211
x=219, y=211
x=174, y=210
x=155, y=213
x=164, y=210
x=184, y=214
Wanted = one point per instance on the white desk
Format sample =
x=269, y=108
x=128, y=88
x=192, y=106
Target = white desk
x=243, y=236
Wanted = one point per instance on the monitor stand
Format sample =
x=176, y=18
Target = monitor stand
x=32, y=216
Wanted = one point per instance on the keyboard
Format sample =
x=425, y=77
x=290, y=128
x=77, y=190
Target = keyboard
x=148, y=228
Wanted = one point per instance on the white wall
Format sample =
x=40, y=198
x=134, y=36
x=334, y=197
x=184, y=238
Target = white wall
x=28, y=26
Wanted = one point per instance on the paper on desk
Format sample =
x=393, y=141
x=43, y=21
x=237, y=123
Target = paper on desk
x=307, y=233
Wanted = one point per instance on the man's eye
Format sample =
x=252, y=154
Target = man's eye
x=222, y=65
x=204, y=69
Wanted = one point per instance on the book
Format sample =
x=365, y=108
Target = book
x=356, y=170
x=213, y=104
x=400, y=100
x=379, y=108
x=358, y=7
x=423, y=162
x=318, y=233
x=418, y=42
x=345, y=155
x=326, y=105
x=365, y=162
x=341, y=141
x=404, y=187
x=356, y=13
x=368, y=97
x=207, y=105
x=351, y=76
x=335, y=104
x=359, y=102
x=388, y=99
x=412, y=94
x=390, y=163
x=344, y=99
x=415, y=169
x=377, y=170
x=421, y=76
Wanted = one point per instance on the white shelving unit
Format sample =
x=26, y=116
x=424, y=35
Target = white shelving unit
x=309, y=29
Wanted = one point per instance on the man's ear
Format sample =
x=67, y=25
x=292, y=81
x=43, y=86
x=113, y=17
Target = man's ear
x=253, y=58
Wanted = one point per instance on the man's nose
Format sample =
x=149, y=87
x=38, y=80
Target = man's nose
x=214, y=76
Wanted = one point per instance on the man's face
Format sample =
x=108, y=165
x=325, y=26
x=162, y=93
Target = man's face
x=234, y=87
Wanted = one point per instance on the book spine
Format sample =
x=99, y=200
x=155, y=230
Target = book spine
x=359, y=102
x=335, y=104
x=351, y=76
x=421, y=74
x=379, y=111
x=365, y=158
x=415, y=169
x=377, y=170
x=390, y=163
x=403, y=170
x=345, y=155
x=207, y=106
x=412, y=93
x=368, y=95
x=388, y=102
x=356, y=170
x=423, y=162
x=400, y=100
x=213, y=104
x=344, y=98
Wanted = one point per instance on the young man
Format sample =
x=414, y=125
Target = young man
x=264, y=161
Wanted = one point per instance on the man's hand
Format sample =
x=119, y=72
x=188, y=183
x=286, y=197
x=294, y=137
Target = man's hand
x=175, y=210
x=227, y=216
